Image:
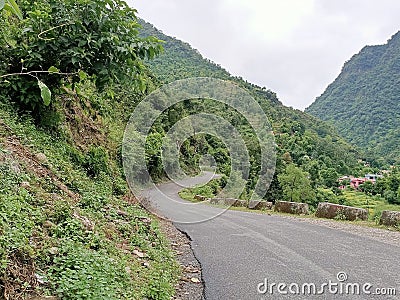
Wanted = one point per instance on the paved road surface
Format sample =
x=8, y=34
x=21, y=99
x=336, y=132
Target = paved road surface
x=240, y=250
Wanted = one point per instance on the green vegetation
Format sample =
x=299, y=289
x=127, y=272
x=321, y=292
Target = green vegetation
x=208, y=190
x=71, y=74
x=295, y=185
x=69, y=226
x=363, y=102
x=301, y=139
x=387, y=187
x=59, y=43
x=77, y=229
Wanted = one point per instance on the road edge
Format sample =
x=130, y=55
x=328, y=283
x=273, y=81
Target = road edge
x=191, y=284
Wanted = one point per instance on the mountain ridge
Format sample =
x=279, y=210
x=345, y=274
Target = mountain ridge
x=363, y=102
x=300, y=136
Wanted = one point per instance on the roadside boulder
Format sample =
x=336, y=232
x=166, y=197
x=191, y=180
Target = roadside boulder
x=231, y=202
x=260, y=205
x=240, y=203
x=199, y=197
x=217, y=201
x=331, y=211
x=390, y=218
x=295, y=208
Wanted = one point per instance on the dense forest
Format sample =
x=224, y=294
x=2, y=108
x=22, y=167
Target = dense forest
x=363, y=103
x=71, y=74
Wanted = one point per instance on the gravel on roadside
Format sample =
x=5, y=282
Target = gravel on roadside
x=190, y=285
x=388, y=236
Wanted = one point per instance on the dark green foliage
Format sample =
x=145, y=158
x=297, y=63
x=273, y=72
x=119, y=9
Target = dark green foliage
x=368, y=188
x=94, y=202
x=391, y=197
x=69, y=221
x=295, y=185
x=387, y=187
x=96, y=161
x=61, y=213
x=363, y=103
x=68, y=36
x=18, y=217
x=80, y=273
x=329, y=177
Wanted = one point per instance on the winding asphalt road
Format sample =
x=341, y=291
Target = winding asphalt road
x=242, y=253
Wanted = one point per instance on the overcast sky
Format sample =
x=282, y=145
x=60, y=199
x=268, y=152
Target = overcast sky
x=293, y=47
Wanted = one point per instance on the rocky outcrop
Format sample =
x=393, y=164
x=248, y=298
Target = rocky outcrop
x=390, y=218
x=292, y=207
x=332, y=211
x=260, y=205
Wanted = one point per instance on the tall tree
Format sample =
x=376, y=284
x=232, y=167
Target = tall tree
x=329, y=177
x=295, y=184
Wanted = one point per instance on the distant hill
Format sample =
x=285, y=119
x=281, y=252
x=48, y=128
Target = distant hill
x=363, y=103
x=305, y=138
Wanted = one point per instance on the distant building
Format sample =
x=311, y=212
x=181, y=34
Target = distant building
x=372, y=177
x=343, y=178
x=356, y=182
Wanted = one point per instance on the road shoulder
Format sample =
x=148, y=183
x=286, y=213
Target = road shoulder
x=190, y=285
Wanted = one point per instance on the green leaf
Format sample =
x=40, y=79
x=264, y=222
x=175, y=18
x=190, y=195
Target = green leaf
x=53, y=69
x=45, y=93
x=82, y=75
x=2, y=3
x=13, y=7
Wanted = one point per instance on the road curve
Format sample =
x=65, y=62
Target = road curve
x=244, y=253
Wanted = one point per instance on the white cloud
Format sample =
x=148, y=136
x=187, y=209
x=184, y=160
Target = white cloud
x=270, y=19
x=294, y=47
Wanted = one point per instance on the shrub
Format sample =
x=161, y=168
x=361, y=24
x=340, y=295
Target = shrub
x=391, y=197
x=93, y=201
x=96, y=161
x=57, y=39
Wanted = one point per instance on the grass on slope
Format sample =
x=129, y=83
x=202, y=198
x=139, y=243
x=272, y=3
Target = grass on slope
x=72, y=230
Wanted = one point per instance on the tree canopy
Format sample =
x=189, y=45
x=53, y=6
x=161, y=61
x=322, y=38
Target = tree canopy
x=296, y=185
x=68, y=37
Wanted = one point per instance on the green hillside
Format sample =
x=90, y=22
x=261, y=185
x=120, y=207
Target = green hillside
x=301, y=138
x=69, y=226
x=363, y=103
